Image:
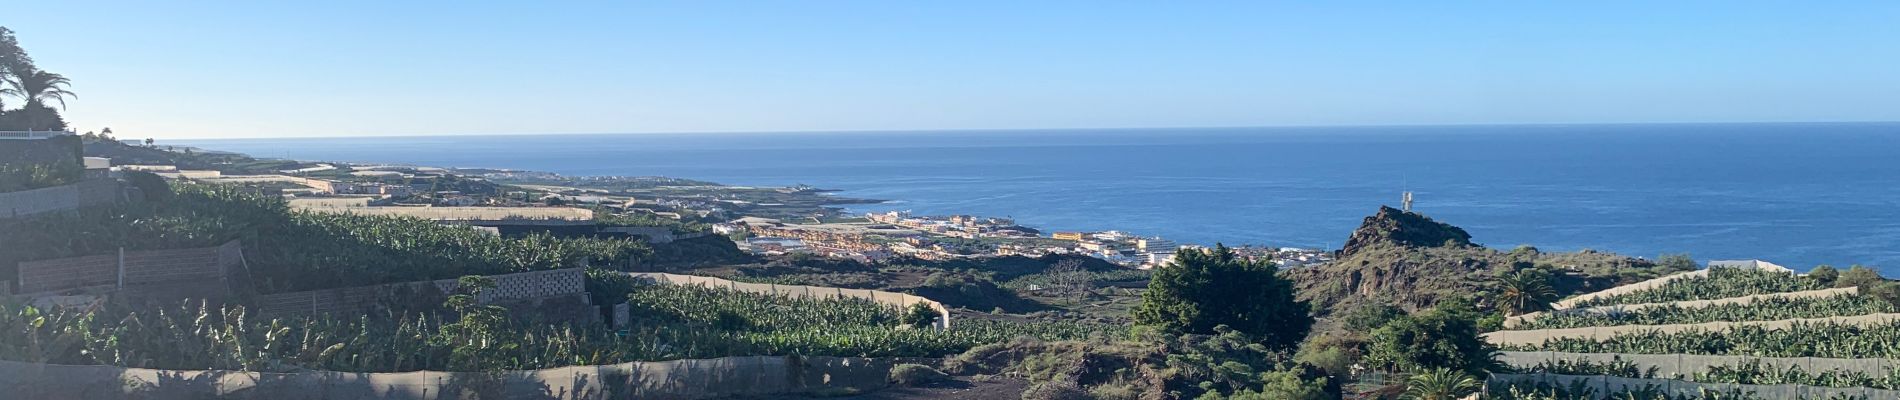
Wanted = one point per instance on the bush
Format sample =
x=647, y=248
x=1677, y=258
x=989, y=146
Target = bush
x=1200, y=290
x=916, y=375
x=1825, y=274
x=152, y=186
x=920, y=315
x=1860, y=277
x=1440, y=338
x=1369, y=316
x=1060, y=389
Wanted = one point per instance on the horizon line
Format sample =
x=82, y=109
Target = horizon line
x=928, y=130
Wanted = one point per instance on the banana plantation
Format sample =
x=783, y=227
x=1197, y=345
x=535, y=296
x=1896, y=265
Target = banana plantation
x=1580, y=390
x=1721, y=283
x=677, y=322
x=1767, y=309
x=1751, y=372
x=1801, y=340
x=1815, y=339
x=292, y=251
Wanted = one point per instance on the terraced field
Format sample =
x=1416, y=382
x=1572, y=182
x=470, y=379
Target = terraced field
x=1758, y=332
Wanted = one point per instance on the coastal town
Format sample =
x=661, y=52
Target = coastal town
x=762, y=221
x=884, y=235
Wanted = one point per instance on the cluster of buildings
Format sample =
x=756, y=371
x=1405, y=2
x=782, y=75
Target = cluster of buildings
x=1121, y=248
x=963, y=226
x=891, y=234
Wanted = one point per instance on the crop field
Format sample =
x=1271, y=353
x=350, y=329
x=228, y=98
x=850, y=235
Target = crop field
x=671, y=322
x=1859, y=345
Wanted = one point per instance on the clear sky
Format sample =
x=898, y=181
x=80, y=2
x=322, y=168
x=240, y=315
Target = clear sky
x=181, y=69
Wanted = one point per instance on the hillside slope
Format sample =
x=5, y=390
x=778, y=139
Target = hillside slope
x=1412, y=261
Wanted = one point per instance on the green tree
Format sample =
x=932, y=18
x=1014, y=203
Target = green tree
x=1525, y=291
x=1676, y=262
x=1860, y=277
x=10, y=55
x=1440, y=384
x=1199, y=290
x=1437, y=338
x=1826, y=274
x=1369, y=316
x=920, y=315
x=38, y=87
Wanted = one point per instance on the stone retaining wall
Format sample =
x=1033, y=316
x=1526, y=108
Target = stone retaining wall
x=204, y=268
x=59, y=198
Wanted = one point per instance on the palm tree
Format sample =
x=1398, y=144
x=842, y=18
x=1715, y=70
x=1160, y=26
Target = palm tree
x=37, y=86
x=1525, y=291
x=1440, y=384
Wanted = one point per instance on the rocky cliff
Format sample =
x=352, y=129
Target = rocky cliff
x=1393, y=227
x=1409, y=260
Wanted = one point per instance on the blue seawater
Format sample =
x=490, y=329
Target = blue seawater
x=1794, y=194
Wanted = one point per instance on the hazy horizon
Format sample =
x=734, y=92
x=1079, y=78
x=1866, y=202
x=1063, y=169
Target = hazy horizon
x=1022, y=130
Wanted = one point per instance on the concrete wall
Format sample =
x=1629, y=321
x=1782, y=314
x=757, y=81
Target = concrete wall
x=899, y=300
x=58, y=198
x=519, y=287
x=677, y=379
x=206, y=268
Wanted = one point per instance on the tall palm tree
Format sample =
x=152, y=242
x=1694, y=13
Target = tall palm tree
x=1525, y=291
x=1440, y=384
x=38, y=87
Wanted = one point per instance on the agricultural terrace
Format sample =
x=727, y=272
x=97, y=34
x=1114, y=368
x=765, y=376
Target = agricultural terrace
x=672, y=322
x=1847, y=338
x=290, y=250
x=1720, y=283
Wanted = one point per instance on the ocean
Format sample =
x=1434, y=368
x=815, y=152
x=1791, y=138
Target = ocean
x=1794, y=194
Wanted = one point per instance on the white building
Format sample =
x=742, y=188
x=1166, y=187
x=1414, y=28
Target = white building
x=1155, y=244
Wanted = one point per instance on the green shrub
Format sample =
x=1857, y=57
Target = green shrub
x=916, y=375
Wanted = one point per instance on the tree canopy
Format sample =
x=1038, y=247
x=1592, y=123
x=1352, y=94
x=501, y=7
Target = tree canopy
x=36, y=88
x=1202, y=289
x=1443, y=337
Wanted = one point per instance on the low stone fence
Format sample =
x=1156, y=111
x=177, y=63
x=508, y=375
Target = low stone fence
x=205, y=272
x=517, y=287
x=1605, y=387
x=59, y=198
x=1513, y=322
x=677, y=379
x=899, y=300
x=1539, y=336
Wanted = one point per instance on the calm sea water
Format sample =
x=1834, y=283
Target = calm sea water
x=1795, y=194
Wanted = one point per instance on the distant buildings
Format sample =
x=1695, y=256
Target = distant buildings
x=1075, y=236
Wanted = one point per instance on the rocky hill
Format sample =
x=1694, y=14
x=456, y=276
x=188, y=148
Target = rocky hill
x=1409, y=260
x=1405, y=229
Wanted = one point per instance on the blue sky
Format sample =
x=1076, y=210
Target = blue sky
x=349, y=68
